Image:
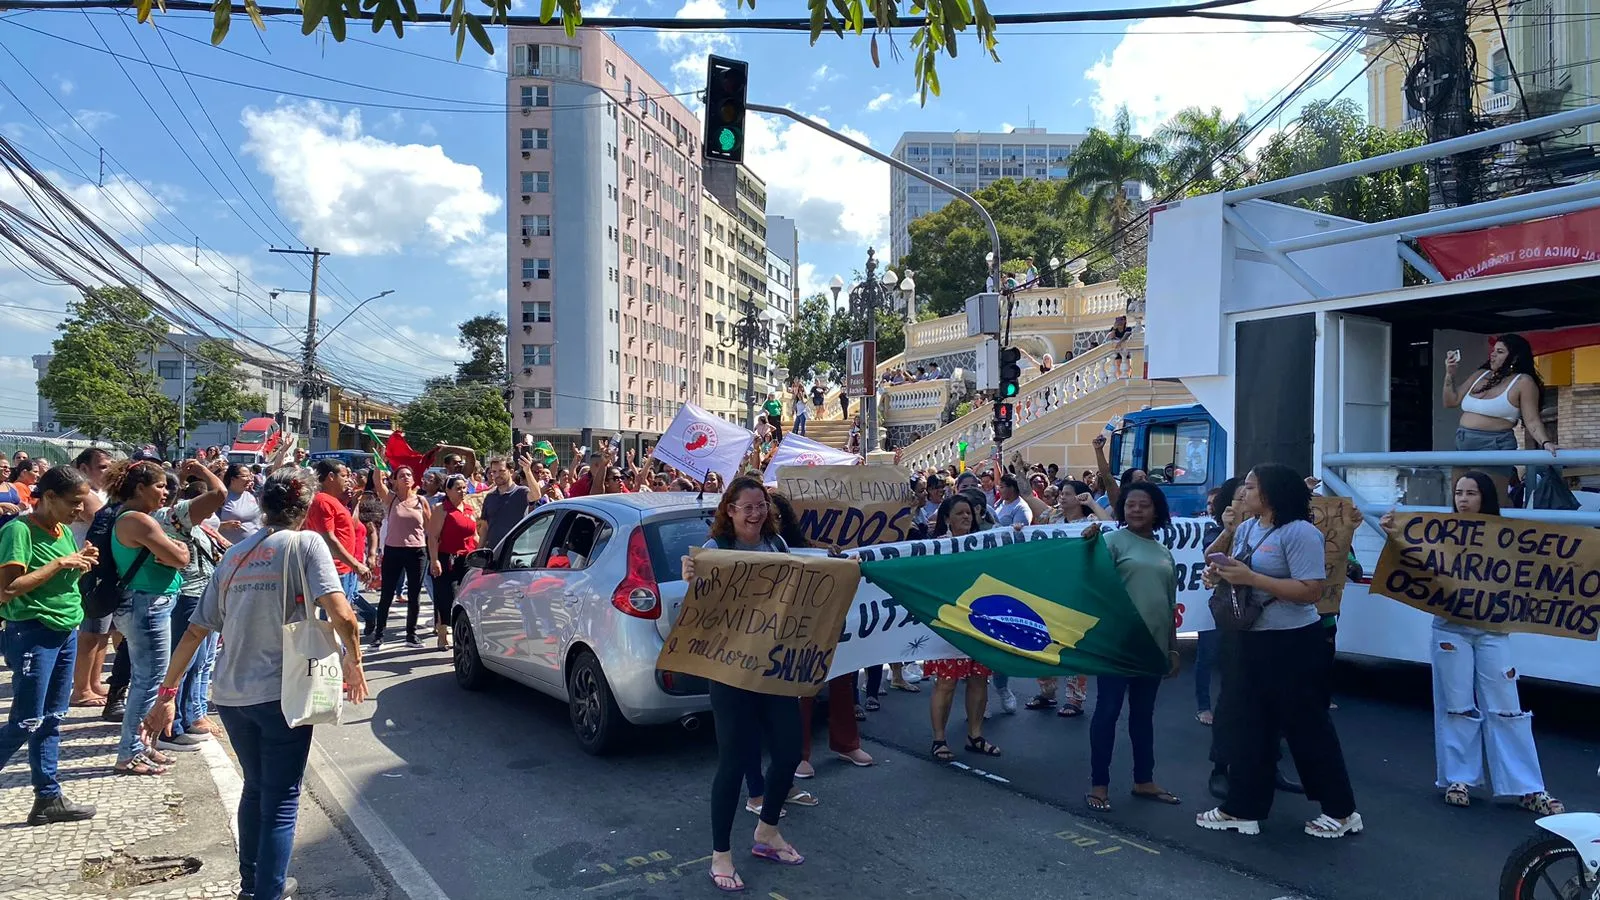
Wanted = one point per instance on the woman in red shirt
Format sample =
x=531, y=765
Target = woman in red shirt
x=451, y=536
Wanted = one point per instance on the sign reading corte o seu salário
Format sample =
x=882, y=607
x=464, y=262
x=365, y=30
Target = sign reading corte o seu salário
x=1495, y=573
x=765, y=622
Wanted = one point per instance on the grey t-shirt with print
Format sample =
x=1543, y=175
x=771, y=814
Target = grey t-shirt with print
x=1292, y=550
x=245, y=602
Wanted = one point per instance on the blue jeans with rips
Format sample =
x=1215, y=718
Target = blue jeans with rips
x=273, y=758
x=145, y=621
x=41, y=660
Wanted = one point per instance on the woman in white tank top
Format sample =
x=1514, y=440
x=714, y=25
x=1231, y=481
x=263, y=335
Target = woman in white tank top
x=1507, y=390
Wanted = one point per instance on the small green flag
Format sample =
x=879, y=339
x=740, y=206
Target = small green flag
x=1036, y=609
x=381, y=464
x=548, y=452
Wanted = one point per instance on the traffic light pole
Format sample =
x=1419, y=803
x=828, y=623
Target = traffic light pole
x=913, y=171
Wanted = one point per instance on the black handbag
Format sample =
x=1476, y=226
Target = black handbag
x=1235, y=607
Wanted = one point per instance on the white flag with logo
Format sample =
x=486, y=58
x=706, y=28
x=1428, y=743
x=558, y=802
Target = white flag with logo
x=698, y=442
x=799, y=450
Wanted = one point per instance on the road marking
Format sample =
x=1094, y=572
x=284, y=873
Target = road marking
x=229, y=783
x=1078, y=840
x=404, y=869
x=978, y=772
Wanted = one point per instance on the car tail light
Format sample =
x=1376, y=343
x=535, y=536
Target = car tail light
x=638, y=594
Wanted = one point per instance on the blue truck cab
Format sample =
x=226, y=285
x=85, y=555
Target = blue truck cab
x=1181, y=448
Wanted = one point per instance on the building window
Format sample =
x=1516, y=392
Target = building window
x=536, y=354
x=524, y=60
x=535, y=312
x=536, y=139
x=1500, y=70
x=535, y=95
x=536, y=398
x=611, y=69
x=535, y=226
x=170, y=369
x=535, y=182
x=535, y=269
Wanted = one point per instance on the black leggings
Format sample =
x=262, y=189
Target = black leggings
x=398, y=560
x=743, y=720
x=451, y=569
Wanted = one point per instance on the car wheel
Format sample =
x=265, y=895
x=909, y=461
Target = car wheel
x=596, y=719
x=470, y=673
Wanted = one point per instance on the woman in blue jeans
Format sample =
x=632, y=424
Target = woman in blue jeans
x=150, y=562
x=39, y=568
x=1149, y=574
x=246, y=602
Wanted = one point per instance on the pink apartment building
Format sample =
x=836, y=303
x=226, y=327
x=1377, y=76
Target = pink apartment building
x=603, y=233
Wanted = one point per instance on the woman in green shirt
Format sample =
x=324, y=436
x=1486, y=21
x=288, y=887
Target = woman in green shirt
x=39, y=568
x=1148, y=572
x=150, y=561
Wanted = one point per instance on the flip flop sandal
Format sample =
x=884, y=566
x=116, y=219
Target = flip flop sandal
x=728, y=884
x=805, y=775
x=773, y=854
x=942, y=752
x=1070, y=711
x=1205, y=717
x=861, y=714
x=1097, y=803
x=752, y=808
x=1543, y=804
x=1040, y=701
x=801, y=798
x=1456, y=795
x=139, y=765
x=1166, y=797
x=906, y=686
x=981, y=745
x=1326, y=826
x=160, y=758
x=872, y=704
x=90, y=701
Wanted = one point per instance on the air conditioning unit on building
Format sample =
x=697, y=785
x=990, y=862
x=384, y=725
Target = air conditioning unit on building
x=527, y=329
x=526, y=154
x=527, y=416
x=527, y=284
x=527, y=370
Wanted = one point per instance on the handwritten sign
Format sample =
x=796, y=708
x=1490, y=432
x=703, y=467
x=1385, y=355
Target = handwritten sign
x=1494, y=573
x=1337, y=519
x=850, y=506
x=765, y=622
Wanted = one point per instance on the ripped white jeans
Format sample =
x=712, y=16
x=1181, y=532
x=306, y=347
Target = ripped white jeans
x=1477, y=714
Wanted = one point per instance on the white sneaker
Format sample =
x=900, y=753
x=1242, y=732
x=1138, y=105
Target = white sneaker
x=1008, y=701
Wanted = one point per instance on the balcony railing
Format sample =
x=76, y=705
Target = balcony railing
x=1064, y=384
x=1075, y=308
x=918, y=396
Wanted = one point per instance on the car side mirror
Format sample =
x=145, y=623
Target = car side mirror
x=481, y=559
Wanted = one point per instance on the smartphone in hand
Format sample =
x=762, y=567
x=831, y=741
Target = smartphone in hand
x=1452, y=356
x=1216, y=559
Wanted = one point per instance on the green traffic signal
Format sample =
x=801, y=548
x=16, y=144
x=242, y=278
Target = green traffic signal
x=727, y=139
x=1010, y=389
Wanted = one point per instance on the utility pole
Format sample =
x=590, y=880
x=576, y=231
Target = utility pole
x=1440, y=86
x=308, y=362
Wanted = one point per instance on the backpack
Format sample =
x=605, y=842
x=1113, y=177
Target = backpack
x=101, y=586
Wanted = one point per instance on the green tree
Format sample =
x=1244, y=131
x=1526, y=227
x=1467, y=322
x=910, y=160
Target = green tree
x=1041, y=219
x=935, y=37
x=484, y=337
x=100, y=378
x=812, y=342
x=1202, y=146
x=219, y=393
x=1334, y=132
x=470, y=415
x=1104, y=164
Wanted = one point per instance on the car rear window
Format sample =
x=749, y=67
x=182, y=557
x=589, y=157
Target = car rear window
x=669, y=541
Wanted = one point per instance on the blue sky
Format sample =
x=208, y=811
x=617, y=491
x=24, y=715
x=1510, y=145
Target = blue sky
x=301, y=140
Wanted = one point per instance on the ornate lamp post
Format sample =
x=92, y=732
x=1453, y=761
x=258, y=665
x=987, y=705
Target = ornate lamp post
x=750, y=333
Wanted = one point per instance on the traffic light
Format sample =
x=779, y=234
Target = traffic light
x=1001, y=425
x=1010, y=372
x=726, y=81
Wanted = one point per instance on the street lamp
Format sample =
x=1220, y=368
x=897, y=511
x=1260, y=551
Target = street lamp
x=330, y=331
x=750, y=333
x=866, y=298
x=909, y=287
x=836, y=285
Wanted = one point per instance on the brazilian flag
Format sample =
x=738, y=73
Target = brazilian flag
x=546, y=452
x=1034, y=609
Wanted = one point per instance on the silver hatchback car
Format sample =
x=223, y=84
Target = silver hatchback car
x=576, y=601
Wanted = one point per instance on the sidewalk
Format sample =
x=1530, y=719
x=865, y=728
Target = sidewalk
x=160, y=838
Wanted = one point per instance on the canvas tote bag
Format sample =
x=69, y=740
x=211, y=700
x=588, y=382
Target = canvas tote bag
x=313, y=672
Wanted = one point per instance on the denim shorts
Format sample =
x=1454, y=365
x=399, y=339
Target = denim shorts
x=1477, y=439
x=96, y=625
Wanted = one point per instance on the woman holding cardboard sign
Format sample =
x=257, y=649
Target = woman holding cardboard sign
x=746, y=520
x=1472, y=674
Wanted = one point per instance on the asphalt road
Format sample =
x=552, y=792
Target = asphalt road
x=491, y=797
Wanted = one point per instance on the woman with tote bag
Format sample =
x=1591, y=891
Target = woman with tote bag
x=259, y=599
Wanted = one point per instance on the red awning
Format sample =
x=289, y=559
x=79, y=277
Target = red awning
x=1540, y=244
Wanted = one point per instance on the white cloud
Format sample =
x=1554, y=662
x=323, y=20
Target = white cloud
x=66, y=87
x=92, y=119
x=808, y=280
x=19, y=398
x=882, y=101
x=691, y=48
x=600, y=9
x=1237, y=66
x=833, y=193
x=359, y=195
x=483, y=263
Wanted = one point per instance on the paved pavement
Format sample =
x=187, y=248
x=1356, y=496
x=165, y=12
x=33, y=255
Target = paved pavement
x=178, y=827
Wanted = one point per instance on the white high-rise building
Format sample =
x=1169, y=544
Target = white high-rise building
x=969, y=160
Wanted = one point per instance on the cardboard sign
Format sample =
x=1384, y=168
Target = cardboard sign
x=1495, y=573
x=765, y=622
x=850, y=506
x=1337, y=519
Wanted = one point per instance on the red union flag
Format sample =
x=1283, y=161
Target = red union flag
x=1540, y=244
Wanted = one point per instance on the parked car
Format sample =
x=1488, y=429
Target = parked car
x=575, y=603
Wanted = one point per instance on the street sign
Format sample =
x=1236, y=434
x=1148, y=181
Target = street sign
x=983, y=314
x=860, y=369
x=988, y=374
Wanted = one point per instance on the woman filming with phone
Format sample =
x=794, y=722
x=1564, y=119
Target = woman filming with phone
x=1507, y=390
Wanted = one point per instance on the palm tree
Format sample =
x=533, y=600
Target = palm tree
x=1198, y=145
x=1103, y=167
